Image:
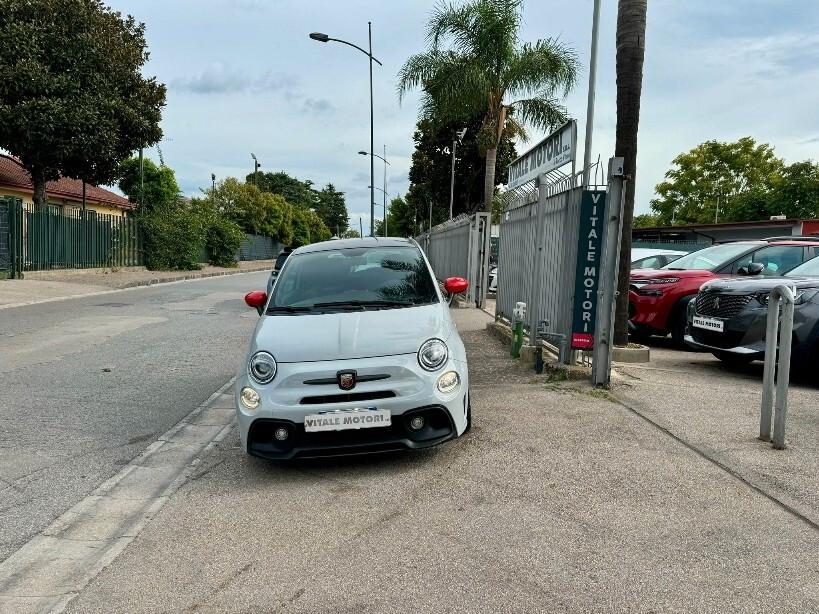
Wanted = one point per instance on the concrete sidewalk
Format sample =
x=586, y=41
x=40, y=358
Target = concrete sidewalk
x=558, y=500
x=45, y=286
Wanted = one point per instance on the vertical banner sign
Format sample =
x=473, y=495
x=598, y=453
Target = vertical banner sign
x=587, y=275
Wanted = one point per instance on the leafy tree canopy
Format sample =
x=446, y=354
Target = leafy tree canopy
x=744, y=179
x=159, y=187
x=328, y=203
x=330, y=207
x=73, y=100
x=401, y=220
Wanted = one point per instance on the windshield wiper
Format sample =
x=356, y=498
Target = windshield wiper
x=363, y=305
x=288, y=309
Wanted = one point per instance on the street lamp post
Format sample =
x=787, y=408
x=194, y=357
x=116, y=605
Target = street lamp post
x=323, y=38
x=256, y=167
x=384, y=160
x=213, y=181
x=384, y=192
x=460, y=136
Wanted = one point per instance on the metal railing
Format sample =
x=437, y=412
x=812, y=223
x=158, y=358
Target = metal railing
x=50, y=237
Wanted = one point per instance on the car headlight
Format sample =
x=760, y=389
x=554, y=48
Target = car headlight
x=805, y=295
x=763, y=298
x=448, y=382
x=433, y=354
x=262, y=367
x=250, y=398
x=661, y=280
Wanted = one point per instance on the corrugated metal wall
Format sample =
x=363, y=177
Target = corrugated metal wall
x=537, y=256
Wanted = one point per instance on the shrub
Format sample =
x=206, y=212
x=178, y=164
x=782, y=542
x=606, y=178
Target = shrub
x=172, y=239
x=223, y=240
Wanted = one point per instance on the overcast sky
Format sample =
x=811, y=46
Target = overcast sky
x=244, y=77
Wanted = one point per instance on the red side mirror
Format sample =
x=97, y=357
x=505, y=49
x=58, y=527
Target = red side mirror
x=456, y=285
x=256, y=299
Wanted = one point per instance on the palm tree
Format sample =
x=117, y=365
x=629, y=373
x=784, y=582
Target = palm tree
x=475, y=64
x=631, y=47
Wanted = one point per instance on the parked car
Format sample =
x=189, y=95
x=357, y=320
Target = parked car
x=729, y=316
x=493, y=279
x=355, y=352
x=658, y=299
x=277, y=267
x=647, y=258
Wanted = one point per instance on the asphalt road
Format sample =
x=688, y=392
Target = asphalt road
x=86, y=384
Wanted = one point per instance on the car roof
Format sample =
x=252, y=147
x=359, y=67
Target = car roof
x=367, y=242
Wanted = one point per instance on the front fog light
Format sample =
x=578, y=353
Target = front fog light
x=250, y=398
x=281, y=433
x=417, y=423
x=448, y=382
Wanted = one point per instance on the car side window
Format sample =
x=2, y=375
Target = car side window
x=777, y=259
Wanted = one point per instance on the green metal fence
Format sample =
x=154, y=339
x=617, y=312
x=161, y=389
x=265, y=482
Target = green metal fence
x=49, y=237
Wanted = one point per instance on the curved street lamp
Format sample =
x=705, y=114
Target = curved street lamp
x=386, y=164
x=324, y=38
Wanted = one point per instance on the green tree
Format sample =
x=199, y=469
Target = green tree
x=294, y=191
x=716, y=181
x=631, y=47
x=796, y=191
x=331, y=208
x=73, y=100
x=475, y=66
x=159, y=186
x=645, y=220
x=430, y=170
x=350, y=234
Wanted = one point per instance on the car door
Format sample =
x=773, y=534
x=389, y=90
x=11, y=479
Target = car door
x=777, y=259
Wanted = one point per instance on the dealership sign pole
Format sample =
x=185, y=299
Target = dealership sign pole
x=606, y=286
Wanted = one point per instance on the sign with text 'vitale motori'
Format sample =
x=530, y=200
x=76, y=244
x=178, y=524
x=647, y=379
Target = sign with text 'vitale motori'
x=587, y=275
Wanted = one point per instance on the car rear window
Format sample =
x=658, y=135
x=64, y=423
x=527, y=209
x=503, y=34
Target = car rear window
x=709, y=258
x=806, y=269
x=369, y=275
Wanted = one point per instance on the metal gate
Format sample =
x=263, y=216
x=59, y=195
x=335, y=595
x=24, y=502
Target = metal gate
x=460, y=248
x=537, y=255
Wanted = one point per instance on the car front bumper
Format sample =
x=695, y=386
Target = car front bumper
x=408, y=391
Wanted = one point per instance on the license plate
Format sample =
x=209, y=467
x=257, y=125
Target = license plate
x=345, y=420
x=709, y=323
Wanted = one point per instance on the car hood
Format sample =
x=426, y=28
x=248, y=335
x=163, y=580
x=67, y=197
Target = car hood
x=748, y=285
x=646, y=275
x=348, y=335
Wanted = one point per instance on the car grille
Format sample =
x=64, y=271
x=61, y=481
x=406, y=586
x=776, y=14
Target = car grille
x=349, y=397
x=721, y=305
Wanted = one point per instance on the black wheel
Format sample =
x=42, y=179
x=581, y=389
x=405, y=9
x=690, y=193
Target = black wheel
x=729, y=358
x=679, y=320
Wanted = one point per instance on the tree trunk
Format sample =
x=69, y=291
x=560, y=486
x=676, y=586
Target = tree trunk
x=38, y=180
x=631, y=30
x=489, y=179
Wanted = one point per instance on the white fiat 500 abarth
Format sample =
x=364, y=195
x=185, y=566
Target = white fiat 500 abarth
x=355, y=352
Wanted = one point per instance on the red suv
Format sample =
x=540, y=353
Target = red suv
x=658, y=298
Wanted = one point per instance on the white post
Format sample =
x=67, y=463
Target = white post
x=592, y=85
x=780, y=371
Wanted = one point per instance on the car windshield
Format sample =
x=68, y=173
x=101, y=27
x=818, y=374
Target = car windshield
x=709, y=258
x=806, y=269
x=355, y=278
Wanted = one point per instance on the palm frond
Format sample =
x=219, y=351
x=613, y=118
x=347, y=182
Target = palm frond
x=545, y=66
x=541, y=112
x=454, y=84
x=418, y=69
x=515, y=130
